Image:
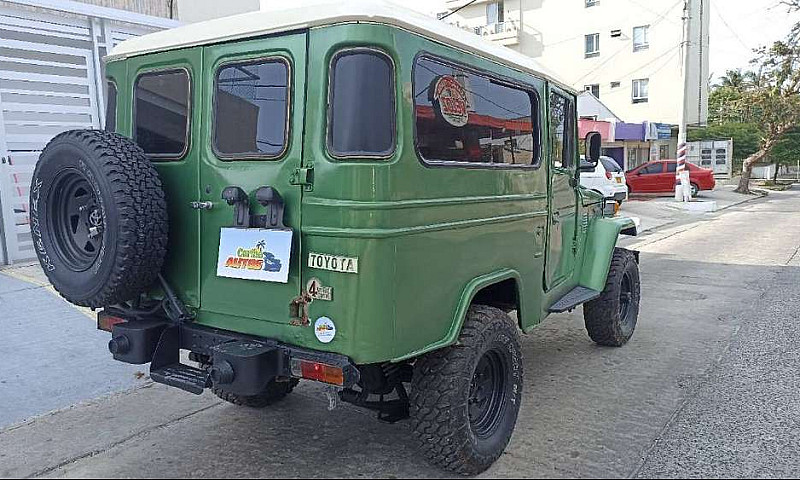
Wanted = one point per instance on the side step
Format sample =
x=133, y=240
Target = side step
x=573, y=298
x=182, y=376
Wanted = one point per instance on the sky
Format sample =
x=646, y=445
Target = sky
x=737, y=27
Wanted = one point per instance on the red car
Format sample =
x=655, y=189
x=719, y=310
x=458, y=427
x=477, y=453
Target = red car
x=659, y=177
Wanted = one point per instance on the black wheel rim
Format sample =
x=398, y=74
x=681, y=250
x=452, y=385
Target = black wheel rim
x=76, y=220
x=626, y=301
x=487, y=394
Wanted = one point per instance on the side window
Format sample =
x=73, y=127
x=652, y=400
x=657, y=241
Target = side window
x=361, y=120
x=672, y=167
x=463, y=117
x=161, y=113
x=562, y=132
x=652, y=169
x=251, y=108
x=111, y=106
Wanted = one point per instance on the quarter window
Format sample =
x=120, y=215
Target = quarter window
x=161, y=111
x=111, y=106
x=562, y=141
x=467, y=118
x=251, y=109
x=362, y=105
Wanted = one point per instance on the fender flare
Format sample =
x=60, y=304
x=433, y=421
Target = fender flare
x=467, y=295
x=600, y=243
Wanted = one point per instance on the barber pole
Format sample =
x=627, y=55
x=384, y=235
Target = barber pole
x=683, y=190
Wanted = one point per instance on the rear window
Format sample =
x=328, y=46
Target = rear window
x=251, y=109
x=465, y=117
x=611, y=165
x=161, y=113
x=362, y=104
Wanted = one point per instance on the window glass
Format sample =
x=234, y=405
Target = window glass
x=592, y=45
x=641, y=37
x=111, y=106
x=251, y=108
x=495, y=12
x=610, y=164
x=561, y=131
x=362, y=103
x=161, y=109
x=652, y=169
x=465, y=117
x=641, y=90
x=672, y=167
x=594, y=89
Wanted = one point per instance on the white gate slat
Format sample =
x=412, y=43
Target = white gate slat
x=43, y=47
x=33, y=107
x=43, y=26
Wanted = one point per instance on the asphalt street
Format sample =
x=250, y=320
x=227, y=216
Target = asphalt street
x=707, y=387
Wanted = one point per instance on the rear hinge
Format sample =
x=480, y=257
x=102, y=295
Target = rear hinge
x=303, y=176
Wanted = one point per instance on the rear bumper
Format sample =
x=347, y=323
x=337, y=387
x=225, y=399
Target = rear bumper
x=241, y=364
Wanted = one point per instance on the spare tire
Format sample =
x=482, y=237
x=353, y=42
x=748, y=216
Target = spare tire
x=98, y=217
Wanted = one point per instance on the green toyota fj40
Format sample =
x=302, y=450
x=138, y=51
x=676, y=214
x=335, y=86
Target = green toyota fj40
x=351, y=194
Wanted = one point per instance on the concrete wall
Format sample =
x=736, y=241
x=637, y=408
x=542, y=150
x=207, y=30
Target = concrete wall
x=553, y=31
x=156, y=8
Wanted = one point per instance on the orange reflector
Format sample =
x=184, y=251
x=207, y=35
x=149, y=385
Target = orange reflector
x=317, y=371
x=105, y=321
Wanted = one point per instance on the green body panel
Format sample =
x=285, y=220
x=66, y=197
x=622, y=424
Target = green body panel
x=427, y=239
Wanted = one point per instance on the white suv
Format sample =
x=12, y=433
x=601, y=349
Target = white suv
x=608, y=179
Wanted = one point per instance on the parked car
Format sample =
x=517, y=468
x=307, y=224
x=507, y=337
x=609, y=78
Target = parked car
x=607, y=179
x=659, y=177
x=353, y=194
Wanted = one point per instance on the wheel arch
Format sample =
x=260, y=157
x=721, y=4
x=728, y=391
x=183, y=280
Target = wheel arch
x=599, y=249
x=496, y=288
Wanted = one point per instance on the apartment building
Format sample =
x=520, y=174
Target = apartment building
x=626, y=52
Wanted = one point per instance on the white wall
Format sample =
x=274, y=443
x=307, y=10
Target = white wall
x=553, y=31
x=190, y=11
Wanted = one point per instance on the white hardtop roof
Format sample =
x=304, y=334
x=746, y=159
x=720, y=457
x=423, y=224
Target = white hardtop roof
x=304, y=14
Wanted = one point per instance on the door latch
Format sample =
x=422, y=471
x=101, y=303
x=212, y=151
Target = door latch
x=304, y=177
x=202, y=205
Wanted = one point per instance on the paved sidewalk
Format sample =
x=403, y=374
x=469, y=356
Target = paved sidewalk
x=52, y=354
x=659, y=211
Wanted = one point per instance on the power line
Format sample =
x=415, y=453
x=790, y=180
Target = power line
x=719, y=15
x=459, y=9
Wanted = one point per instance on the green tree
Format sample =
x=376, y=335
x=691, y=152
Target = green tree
x=773, y=101
x=786, y=151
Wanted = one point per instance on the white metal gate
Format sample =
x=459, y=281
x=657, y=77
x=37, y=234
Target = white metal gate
x=50, y=81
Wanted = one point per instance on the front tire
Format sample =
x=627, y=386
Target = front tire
x=611, y=318
x=695, y=190
x=465, y=399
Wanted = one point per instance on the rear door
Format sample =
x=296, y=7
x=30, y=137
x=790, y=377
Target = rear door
x=253, y=98
x=560, y=261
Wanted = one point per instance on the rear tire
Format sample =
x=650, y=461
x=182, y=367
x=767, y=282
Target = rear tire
x=275, y=392
x=611, y=318
x=98, y=217
x=695, y=190
x=465, y=398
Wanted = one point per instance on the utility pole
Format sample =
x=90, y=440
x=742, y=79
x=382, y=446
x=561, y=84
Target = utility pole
x=683, y=189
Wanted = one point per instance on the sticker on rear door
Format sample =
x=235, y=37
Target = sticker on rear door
x=324, y=329
x=254, y=254
x=333, y=263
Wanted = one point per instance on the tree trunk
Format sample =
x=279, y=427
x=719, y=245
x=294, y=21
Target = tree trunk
x=747, y=171
x=775, y=177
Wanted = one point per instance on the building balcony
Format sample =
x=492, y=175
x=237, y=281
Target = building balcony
x=503, y=33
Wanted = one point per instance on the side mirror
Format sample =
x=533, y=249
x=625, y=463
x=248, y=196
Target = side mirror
x=594, y=144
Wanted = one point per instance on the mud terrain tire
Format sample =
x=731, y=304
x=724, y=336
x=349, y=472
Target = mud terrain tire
x=98, y=217
x=275, y=392
x=611, y=318
x=458, y=426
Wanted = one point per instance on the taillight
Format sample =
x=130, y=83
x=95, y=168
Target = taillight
x=609, y=176
x=106, y=321
x=317, y=371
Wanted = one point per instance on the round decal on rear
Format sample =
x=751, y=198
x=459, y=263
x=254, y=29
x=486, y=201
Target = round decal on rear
x=451, y=100
x=324, y=329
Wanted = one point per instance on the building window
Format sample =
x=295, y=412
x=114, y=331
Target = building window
x=495, y=13
x=593, y=45
x=251, y=108
x=641, y=89
x=595, y=89
x=592, y=3
x=362, y=104
x=663, y=152
x=641, y=38
x=615, y=84
x=469, y=118
x=161, y=113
